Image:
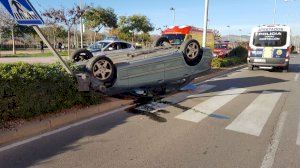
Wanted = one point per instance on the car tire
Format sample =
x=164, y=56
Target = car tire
x=103, y=69
x=162, y=41
x=81, y=55
x=192, y=52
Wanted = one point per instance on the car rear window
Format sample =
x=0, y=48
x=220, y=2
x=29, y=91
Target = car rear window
x=270, y=39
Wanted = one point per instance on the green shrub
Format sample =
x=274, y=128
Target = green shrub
x=238, y=52
x=27, y=91
x=236, y=56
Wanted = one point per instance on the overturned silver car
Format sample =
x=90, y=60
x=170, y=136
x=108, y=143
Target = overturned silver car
x=153, y=70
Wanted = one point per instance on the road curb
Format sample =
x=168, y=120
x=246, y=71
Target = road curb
x=35, y=127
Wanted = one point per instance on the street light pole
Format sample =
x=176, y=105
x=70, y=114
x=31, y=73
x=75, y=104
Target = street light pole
x=275, y=11
x=240, y=35
x=81, y=27
x=228, y=39
x=205, y=23
x=174, y=15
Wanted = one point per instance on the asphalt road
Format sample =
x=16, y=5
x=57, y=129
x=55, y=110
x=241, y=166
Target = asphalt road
x=244, y=119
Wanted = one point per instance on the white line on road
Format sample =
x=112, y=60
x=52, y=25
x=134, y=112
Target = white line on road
x=176, y=98
x=60, y=129
x=179, y=97
x=253, y=119
x=203, y=110
x=272, y=149
x=298, y=136
x=296, y=78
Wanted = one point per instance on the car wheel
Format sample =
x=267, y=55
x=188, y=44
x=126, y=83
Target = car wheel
x=192, y=52
x=103, y=69
x=162, y=41
x=81, y=55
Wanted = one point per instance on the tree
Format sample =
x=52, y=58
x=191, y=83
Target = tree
x=97, y=18
x=217, y=35
x=67, y=17
x=135, y=24
x=7, y=23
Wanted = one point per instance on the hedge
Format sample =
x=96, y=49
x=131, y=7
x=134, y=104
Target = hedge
x=236, y=57
x=28, y=91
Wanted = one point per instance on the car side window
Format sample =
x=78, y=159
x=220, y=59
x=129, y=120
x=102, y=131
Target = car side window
x=124, y=46
x=112, y=47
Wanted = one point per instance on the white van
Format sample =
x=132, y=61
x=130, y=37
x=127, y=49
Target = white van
x=269, y=47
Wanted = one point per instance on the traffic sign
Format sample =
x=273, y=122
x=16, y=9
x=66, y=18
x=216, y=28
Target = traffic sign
x=23, y=12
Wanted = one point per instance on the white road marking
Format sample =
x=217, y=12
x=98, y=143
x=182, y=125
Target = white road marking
x=184, y=95
x=272, y=149
x=60, y=129
x=173, y=99
x=203, y=110
x=298, y=136
x=254, y=117
x=296, y=78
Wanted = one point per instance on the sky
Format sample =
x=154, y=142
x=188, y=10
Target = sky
x=238, y=14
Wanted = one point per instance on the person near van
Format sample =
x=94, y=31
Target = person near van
x=60, y=46
x=42, y=46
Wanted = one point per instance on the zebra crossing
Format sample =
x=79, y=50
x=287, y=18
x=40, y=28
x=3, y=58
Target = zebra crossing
x=255, y=116
x=203, y=110
x=250, y=121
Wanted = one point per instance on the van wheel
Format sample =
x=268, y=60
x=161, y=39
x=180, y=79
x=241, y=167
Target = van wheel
x=285, y=69
x=103, y=69
x=162, y=41
x=192, y=52
x=81, y=55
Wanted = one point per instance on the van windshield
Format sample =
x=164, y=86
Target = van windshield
x=270, y=39
x=175, y=39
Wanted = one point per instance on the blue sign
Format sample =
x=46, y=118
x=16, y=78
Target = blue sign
x=23, y=12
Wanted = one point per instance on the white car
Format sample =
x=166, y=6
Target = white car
x=102, y=48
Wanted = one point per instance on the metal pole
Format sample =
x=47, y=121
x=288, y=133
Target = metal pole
x=205, y=23
x=174, y=17
x=275, y=11
x=81, y=27
x=62, y=61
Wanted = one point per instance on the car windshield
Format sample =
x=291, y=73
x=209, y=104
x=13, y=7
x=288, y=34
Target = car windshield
x=98, y=46
x=176, y=39
x=270, y=39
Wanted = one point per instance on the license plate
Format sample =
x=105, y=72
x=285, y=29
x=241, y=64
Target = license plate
x=260, y=60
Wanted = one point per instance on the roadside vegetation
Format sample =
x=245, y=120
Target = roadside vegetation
x=46, y=54
x=236, y=56
x=28, y=91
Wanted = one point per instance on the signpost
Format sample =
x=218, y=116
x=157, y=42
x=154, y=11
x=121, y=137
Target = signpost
x=205, y=23
x=24, y=14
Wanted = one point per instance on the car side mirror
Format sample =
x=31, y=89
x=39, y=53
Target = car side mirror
x=110, y=49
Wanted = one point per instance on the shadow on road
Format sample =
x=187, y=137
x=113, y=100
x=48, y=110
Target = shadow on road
x=37, y=152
